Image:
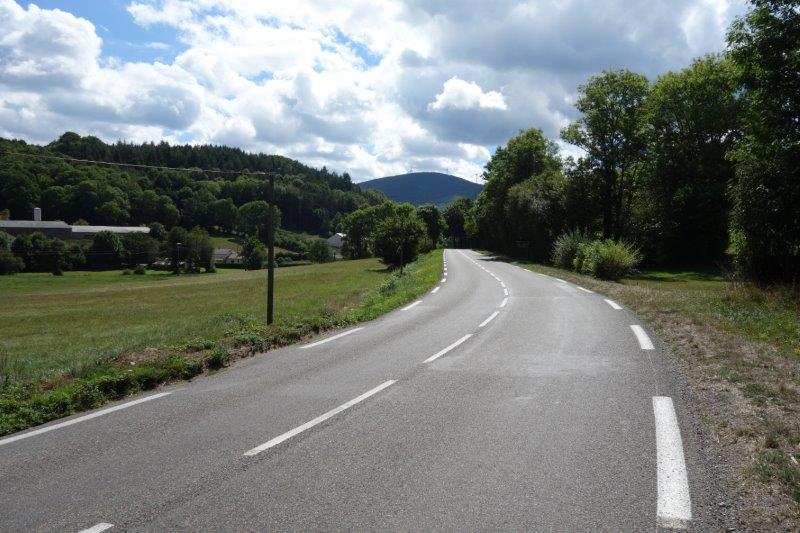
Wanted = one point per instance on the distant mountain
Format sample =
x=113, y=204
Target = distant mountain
x=424, y=188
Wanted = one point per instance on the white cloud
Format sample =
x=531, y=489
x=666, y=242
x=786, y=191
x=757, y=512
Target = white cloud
x=414, y=84
x=459, y=94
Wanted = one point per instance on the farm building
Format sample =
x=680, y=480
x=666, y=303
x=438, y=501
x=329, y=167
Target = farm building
x=60, y=229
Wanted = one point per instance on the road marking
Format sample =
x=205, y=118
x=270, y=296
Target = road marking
x=443, y=280
x=102, y=526
x=585, y=290
x=674, y=505
x=329, y=339
x=491, y=317
x=406, y=308
x=435, y=290
x=559, y=279
x=505, y=292
x=459, y=342
x=505, y=301
x=502, y=284
x=82, y=418
x=613, y=304
x=320, y=419
x=641, y=336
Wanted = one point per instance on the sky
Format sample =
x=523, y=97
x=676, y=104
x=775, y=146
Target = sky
x=373, y=88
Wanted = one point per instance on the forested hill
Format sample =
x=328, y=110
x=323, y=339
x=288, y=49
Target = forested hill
x=424, y=188
x=310, y=200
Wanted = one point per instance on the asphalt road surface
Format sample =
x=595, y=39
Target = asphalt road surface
x=501, y=399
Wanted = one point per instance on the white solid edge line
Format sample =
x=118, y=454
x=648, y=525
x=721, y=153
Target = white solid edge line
x=674, y=504
x=505, y=292
x=435, y=290
x=454, y=345
x=613, y=304
x=505, y=301
x=641, y=336
x=333, y=338
x=406, y=308
x=70, y=422
x=585, y=290
x=322, y=418
x=559, y=279
x=102, y=526
x=443, y=280
x=489, y=319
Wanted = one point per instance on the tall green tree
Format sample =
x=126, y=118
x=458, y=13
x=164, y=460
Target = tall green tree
x=692, y=123
x=765, y=224
x=456, y=215
x=611, y=130
x=434, y=222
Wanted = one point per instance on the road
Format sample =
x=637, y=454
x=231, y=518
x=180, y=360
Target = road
x=502, y=399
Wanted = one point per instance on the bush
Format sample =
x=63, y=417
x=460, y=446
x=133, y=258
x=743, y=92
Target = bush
x=566, y=248
x=254, y=254
x=9, y=263
x=607, y=259
x=140, y=270
x=397, y=238
x=218, y=358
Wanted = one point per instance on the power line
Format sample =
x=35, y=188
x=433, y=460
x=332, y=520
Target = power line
x=138, y=166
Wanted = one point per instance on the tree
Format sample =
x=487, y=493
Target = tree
x=174, y=246
x=199, y=251
x=5, y=241
x=106, y=250
x=765, y=193
x=692, y=122
x=434, y=222
x=139, y=248
x=611, y=131
x=9, y=263
x=524, y=157
x=397, y=237
x=41, y=254
x=253, y=217
x=359, y=226
x=254, y=254
x=317, y=250
x=455, y=216
x=225, y=214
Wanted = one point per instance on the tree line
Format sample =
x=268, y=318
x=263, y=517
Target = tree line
x=698, y=167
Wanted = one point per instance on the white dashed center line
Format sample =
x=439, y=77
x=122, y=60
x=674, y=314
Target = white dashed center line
x=320, y=419
x=437, y=355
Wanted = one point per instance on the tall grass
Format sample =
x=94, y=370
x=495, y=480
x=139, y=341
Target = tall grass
x=604, y=259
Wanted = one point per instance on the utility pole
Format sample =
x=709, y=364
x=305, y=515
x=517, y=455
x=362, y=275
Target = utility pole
x=271, y=250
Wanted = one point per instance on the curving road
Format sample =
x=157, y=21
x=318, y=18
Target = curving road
x=502, y=399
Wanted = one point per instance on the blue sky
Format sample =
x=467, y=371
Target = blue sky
x=423, y=84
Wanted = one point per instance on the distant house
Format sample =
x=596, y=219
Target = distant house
x=60, y=229
x=336, y=241
x=226, y=256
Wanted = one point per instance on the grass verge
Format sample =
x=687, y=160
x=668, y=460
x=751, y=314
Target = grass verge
x=739, y=347
x=137, y=334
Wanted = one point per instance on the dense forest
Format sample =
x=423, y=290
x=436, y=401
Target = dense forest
x=699, y=167
x=309, y=200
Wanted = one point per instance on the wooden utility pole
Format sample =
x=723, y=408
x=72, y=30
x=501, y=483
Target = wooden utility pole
x=271, y=250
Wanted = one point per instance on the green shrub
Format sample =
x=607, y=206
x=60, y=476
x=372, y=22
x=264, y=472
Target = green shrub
x=140, y=270
x=566, y=247
x=219, y=358
x=317, y=250
x=9, y=263
x=607, y=259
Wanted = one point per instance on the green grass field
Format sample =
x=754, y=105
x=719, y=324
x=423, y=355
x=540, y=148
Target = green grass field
x=54, y=325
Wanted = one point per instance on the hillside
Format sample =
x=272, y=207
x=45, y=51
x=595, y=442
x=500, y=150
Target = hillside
x=310, y=200
x=424, y=188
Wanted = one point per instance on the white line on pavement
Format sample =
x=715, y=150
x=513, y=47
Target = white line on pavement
x=505, y=292
x=491, y=317
x=406, y=308
x=443, y=280
x=435, y=290
x=559, y=279
x=674, y=505
x=339, y=336
x=454, y=345
x=613, y=304
x=322, y=418
x=102, y=526
x=585, y=290
x=505, y=301
x=641, y=336
x=82, y=418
